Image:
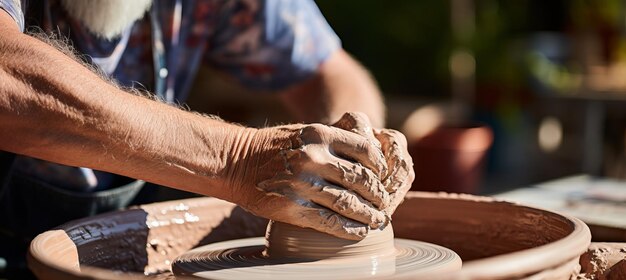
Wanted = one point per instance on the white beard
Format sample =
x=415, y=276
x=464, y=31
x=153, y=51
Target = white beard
x=107, y=18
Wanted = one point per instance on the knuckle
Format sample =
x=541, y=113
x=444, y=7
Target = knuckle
x=386, y=132
x=347, y=121
x=399, y=136
x=360, y=116
x=317, y=128
x=354, y=115
x=313, y=133
x=394, y=133
x=394, y=136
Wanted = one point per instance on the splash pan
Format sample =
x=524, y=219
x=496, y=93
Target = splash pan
x=495, y=240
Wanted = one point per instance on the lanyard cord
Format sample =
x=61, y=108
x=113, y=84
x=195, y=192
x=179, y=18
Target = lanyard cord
x=163, y=63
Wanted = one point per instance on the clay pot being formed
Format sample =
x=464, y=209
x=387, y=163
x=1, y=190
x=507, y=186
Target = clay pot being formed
x=496, y=240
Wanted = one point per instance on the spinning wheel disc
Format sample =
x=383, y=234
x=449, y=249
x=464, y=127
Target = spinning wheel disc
x=245, y=259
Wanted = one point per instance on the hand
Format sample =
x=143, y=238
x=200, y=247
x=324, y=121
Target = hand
x=313, y=176
x=400, y=175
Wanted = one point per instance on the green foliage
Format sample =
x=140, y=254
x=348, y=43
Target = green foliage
x=407, y=43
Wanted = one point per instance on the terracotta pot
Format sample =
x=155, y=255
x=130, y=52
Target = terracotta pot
x=496, y=240
x=450, y=158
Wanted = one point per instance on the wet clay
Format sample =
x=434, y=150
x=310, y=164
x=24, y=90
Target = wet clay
x=316, y=173
x=291, y=251
x=399, y=176
x=288, y=241
x=604, y=261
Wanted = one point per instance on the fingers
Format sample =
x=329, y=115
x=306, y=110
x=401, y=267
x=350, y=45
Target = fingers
x=347, y=145
x=401, y=174
x=324, y=220
x=398, y=160
x=307, y=214
x=347, y=203
x=339, y=200
x=358, y=148
x=280, y=202
x=358, y=123
x=396, y=199
x=356, y=178
x=316, y=162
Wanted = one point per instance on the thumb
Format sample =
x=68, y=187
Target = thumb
x=358, y=123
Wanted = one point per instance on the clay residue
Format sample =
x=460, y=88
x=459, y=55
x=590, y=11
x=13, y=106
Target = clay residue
x=358, y=123
x=126, y=252
x=461, y=196
x=399, y=174
x=500, y=227
x=212, y=220
x=323, y=178
x=603, y=261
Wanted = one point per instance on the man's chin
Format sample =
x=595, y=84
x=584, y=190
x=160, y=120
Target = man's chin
x=107, y=18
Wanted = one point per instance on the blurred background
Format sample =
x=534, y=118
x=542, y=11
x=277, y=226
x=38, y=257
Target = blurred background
x=497, y=94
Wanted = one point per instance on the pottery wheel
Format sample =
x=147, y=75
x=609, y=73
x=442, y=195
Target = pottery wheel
x=283, y=254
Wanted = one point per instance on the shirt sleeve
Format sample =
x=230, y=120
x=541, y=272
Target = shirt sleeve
x=14, y=9
x=271, y=44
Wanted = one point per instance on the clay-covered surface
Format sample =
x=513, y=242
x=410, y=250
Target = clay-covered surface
x=140, y=241
x=499, y=227
x=603, y=261
x=494, y=239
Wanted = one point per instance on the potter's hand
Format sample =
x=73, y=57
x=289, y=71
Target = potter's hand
x=399, y=176
x=313, y=176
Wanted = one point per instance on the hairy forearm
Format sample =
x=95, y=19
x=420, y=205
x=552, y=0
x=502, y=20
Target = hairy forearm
x=53, y=108
x=341, y=86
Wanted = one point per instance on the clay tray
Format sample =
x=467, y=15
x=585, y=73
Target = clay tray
x=496, y=240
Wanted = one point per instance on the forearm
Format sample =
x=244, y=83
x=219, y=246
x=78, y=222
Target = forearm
x=53, y=108
x=341, y=86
